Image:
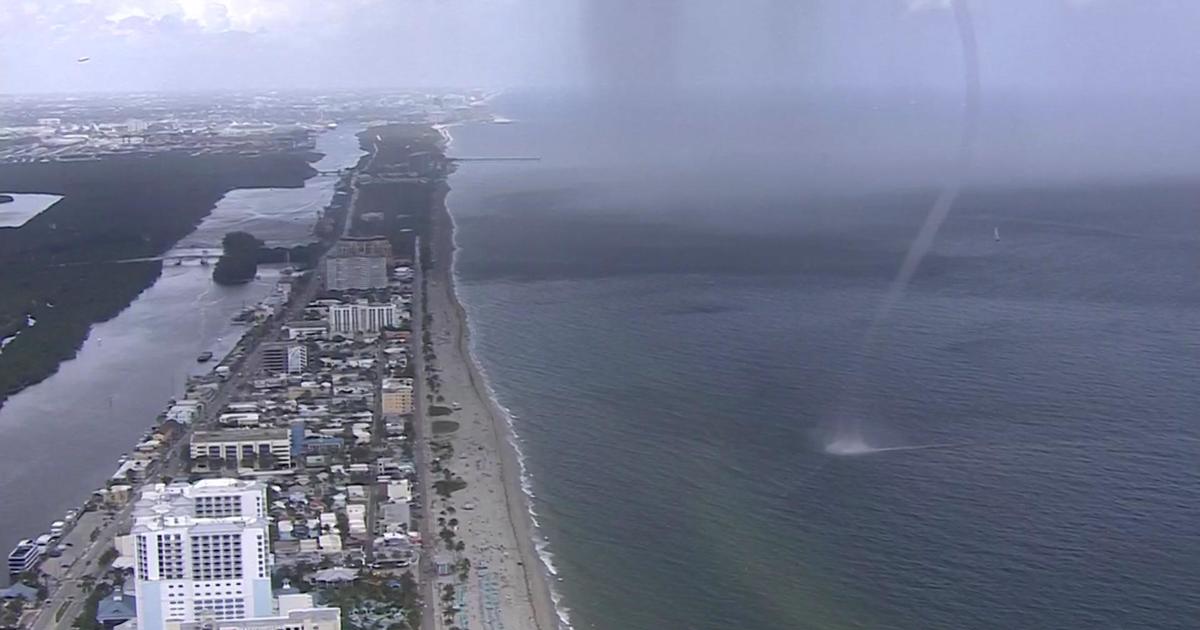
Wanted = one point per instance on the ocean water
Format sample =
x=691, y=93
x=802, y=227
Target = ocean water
x=673, y=303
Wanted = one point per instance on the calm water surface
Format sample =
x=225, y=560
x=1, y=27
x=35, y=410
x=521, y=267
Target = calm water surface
x=61, y=438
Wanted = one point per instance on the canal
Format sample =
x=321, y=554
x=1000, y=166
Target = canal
x=61, y=439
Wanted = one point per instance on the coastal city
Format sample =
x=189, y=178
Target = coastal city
x=341, y=466
x=153, y=125
x=599, y=315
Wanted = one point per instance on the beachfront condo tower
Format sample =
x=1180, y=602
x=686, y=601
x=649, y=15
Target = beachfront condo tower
x=202, y=553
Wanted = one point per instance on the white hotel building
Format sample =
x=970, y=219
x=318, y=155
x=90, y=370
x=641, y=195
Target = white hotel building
x=202, y=553
x=361, y=318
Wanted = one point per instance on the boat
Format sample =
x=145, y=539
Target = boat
x=331, y=125
x=996, y=234
x=204, y=357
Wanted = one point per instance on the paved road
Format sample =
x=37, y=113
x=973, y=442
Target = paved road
x=68, y=588
x=430, y=618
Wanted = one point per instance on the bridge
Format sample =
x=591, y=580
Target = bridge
x=177, y=259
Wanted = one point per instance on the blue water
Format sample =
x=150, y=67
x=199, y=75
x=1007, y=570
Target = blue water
x=674, y=306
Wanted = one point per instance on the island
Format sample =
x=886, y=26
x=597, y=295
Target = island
x=239, y=259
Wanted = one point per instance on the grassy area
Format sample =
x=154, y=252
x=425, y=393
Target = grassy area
x=447, y=487
x=443, y=427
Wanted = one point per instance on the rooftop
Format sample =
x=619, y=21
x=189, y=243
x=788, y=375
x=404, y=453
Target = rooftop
x=234, y=435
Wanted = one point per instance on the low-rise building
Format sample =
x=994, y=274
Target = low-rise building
x=305, y=330
x=269, y=445
x=397, y=396
x=23, y=557
x=185, y=411
x=294, y=612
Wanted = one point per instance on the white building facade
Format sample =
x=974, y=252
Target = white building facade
x=201, y=553
x=240, y=444
x=296, y=612
x=361, y=318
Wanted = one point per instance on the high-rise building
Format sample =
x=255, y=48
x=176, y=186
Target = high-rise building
x=360, y=318
x=285, y=358
x=202, y=553
x=343, y=273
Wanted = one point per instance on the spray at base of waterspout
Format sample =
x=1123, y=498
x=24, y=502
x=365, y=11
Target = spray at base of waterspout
x=856, y=446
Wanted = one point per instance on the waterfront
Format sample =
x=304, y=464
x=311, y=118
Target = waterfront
x=673, y=350
x=73, y=426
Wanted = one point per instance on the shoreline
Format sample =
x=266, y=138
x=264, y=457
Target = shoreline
x=497, y=434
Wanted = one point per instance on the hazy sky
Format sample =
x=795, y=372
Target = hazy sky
x=1138, y=46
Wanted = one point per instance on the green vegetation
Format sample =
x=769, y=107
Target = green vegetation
x=377, y=602
x=10, y=613
x=239, y=259
x=242, y=253
x=449, y=484
x=438, y=410
x=443, y=427
x=107, y=557
x=87, y=617
x=404, y=203
x=61, y=269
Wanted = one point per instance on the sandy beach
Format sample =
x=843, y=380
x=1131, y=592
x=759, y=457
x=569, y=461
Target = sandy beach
x=508, y=587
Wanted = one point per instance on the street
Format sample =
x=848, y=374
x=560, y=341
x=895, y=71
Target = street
x=65, y=582
x=427, y=577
